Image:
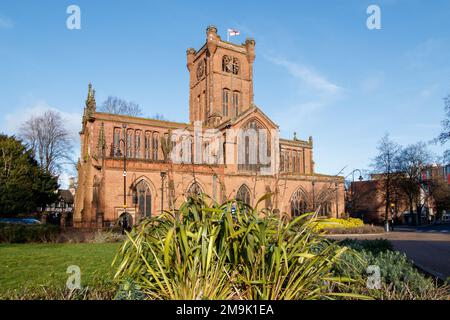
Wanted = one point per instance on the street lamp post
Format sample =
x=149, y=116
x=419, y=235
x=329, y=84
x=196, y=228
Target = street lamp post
x=125, y=217
x=163, y=175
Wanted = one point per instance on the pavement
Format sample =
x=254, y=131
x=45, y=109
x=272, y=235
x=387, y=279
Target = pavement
x=428, y=247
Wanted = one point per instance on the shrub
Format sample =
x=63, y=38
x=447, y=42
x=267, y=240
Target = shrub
x=107, y=237
x=399, y=278
x=365, y=229
x=21, y=233
x=206, y=252
x=333, y=223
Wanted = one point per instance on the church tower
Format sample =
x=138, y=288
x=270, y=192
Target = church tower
x=221, y=79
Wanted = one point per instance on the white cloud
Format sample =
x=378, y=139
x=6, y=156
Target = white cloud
x=6, y=23
x=308, y=76
x=14, y=119
x=315, y=93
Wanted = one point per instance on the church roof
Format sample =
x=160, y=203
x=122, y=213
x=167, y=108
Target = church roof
x=246, y=113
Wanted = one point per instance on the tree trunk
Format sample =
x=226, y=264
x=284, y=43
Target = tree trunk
x=411, y=211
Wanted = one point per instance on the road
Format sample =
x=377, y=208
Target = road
x=428, y=247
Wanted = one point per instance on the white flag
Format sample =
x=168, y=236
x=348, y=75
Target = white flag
x=233, y=32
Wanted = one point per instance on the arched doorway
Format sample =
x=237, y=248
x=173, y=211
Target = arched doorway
x=144, y=199
x=299, y=203
x=125, y=222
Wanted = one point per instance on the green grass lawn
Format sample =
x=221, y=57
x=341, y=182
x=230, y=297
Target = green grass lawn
x=29, y=266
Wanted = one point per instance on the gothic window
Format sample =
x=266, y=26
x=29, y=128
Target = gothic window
x=155, y=145
x=116, y=143
x=194, y=190
x=299, y=204
x=147, y=145
x=129, y=143
x=325, y=209
x=294, y=161
x=137, y=144
x=201, y=69
x=144, y=199
x=235, y=66
x=198, y=111
x=205, y=108
x=249, y=156
x=225, y=98
x=282, y=161
x=227, y=63
x=289, y=157
x=236, y=99
x=243, y=194
x=300, y=159
x=230, y=64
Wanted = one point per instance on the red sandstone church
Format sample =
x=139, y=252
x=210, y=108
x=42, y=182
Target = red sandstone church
x=213, y=153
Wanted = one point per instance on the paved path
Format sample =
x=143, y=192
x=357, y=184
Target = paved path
x=427, y=247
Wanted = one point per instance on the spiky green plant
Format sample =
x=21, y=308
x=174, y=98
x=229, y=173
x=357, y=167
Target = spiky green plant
x=230, y=251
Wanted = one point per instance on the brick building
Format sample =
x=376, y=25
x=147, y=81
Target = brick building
x=367, y=200
x=220, y=151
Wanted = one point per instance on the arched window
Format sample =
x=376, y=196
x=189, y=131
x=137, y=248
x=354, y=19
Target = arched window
x=325, y=209
x=148, y=144
x=194, y=190
x=236, y=99
x=137, y=144
x=299, y=203
x=130, y=143
x=155, y=145
x=243, y=194
x=225, y=99
x=323, y=201
x=116, y=142
x=250, y=147
x=144, y=199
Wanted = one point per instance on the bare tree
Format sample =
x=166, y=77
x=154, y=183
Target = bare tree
x=439, y=191
x=116, y=105
x=444, y=136
x=50, y=141
x=411, y=162
x=385, y=165
x=158, y=116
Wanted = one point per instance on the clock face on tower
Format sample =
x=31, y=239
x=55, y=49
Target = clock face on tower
x=201, y=68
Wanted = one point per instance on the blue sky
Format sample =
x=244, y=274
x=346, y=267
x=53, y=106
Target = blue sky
x=318, y=71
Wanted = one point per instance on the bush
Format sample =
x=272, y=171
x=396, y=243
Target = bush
x=373, y=246
x=107, y=237
x=334, y=223
x=365, y=229
x=21, y=233
x=400, y=279
x=205, y=251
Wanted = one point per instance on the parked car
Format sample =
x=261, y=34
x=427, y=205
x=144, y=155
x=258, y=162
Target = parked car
x=20, y=220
